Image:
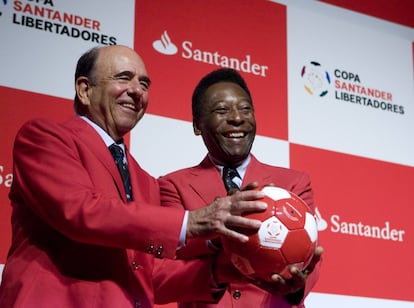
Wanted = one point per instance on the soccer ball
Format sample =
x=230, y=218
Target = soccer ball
x=287, y=236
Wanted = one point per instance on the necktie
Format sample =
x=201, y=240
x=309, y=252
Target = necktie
x=118, y=155
x=228, y=175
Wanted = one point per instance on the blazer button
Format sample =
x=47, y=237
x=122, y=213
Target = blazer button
x=137, y=303
x=159, y=251
x=236, y=294
x=150, y=249
x=134, y=265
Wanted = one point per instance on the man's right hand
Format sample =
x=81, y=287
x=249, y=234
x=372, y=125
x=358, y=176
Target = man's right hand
x=221, y=217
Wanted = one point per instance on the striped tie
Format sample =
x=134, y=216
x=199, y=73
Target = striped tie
x=228, y=175
x=118, y=155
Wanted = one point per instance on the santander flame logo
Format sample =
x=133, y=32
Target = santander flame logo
x=321, y=223
x=165, y=45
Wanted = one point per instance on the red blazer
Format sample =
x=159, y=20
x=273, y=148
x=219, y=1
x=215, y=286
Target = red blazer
x=76, y=242
x=197, y=186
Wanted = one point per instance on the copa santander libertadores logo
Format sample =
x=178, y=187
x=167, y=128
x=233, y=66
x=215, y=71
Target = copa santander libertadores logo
x=316, y=79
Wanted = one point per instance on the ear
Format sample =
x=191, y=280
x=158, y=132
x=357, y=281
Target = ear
x=196, y=130
x=82, y=86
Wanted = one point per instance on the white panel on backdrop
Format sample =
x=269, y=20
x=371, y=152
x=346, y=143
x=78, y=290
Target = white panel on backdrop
x=321, y=300
x=272, y=151
x=162, y=145
x=42, y=40
x=350, y=84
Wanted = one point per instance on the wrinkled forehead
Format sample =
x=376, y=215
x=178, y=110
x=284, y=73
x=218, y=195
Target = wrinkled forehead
x=224, y=89
x=116, y=59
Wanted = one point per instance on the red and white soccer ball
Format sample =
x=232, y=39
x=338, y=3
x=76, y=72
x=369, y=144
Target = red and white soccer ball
x=287, y=236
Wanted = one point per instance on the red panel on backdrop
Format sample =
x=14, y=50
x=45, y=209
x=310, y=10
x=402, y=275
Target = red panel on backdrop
x=358, y=198
x=193, y=38
x=398, y=11
x=22, y=106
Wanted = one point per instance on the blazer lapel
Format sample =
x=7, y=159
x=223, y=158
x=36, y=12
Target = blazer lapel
x=87, y=135
x=205, y=181
x=254, y=173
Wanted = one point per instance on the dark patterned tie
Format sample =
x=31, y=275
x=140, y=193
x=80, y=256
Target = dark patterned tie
x=118, y=155
x=228, y=175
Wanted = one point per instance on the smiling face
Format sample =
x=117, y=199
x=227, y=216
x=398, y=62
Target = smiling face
x=119, y=97
x=227, y=123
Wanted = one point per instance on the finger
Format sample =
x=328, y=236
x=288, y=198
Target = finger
x=250, y=186
x=298, y=275
x=315, y=259
x=277, y=278
x=247, y=195
x=235, y=236
x=245, y=207
x=240, y=222
x=319, y=251
x=232, y=191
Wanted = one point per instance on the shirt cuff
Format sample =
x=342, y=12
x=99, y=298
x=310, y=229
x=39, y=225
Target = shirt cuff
x=183, y=232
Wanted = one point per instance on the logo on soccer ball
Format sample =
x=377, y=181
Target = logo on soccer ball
x=316, y=79
x=272, y=233
x=164, y=45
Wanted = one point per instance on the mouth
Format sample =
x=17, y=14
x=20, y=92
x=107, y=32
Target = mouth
x=235, y=135
x=130, y=106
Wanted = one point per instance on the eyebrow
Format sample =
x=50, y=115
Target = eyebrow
x=130, y=73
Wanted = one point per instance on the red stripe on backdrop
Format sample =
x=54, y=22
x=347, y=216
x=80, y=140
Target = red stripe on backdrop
x=397, y=11
x=18, y=107
x=357, y=198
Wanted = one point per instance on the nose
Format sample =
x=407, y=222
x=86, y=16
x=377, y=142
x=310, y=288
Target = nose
x=135, y=88
x=235, y=116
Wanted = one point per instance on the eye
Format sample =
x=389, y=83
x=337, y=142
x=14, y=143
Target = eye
x=246, y=108
x=123, y=78
x=221, y=110
x=145, y=84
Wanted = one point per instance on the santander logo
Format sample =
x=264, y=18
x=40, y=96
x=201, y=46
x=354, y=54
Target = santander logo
x=165, y=46
x=361, y=229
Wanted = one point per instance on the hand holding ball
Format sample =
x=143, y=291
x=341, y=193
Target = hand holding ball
x=287, y=236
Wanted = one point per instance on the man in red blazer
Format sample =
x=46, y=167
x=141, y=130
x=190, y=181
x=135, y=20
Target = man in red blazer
x=223, y=115
x=77, y=240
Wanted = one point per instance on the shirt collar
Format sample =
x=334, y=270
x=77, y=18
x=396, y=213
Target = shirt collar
x=240, y=169
x=103, y=134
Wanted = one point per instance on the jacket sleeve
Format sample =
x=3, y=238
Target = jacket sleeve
x=69, y=188
x=172, y=196
x=185, y=281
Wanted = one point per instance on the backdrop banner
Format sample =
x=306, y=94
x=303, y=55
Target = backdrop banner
x=333, y=95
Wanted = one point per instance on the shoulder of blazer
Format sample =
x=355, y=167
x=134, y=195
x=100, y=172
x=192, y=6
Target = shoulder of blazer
x=263, y=173
x=204, y=165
